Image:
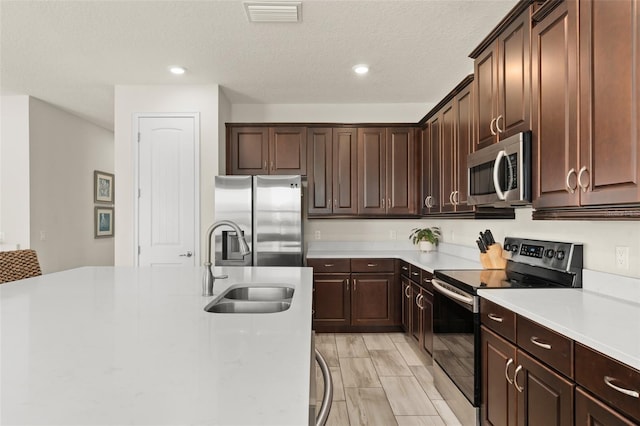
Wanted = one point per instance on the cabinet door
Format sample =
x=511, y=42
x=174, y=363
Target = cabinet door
x=416, y=313
x=448, y=156
x=554, y=117
x=486, y=87
x=319, y=170
x=345, y=179
x=498, y=394
x=431, y=157
x=331, y=298
x=464, y=146
x=592, y=411
x=514, y=81
x=546, y=397
x=249, y=151
x=372, y=300
x=288, y=151
x=427, y=321
x=400, y=170
x=609, y=91
x=406, y=304
x=371, y=171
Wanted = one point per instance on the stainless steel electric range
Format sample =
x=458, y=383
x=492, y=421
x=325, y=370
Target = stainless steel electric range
x=456, y=312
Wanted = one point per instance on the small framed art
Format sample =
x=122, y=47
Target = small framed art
x=103, y=222
x=103, y=187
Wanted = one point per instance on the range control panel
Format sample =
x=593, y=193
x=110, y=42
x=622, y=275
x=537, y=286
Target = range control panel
x=547, y=254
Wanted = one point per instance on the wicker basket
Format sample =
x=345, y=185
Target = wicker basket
x=18, y=264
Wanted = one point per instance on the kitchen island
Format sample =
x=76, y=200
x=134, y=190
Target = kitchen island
x=124, y=345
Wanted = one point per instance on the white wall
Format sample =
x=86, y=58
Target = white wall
x=14, y=172
x=329, y=113
x=64, y=152
x=161, y=99
x=599, y=237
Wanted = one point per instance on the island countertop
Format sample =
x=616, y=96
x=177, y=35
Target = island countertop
x=105, y=345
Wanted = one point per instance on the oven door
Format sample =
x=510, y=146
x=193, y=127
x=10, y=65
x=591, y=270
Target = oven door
x=456, y=338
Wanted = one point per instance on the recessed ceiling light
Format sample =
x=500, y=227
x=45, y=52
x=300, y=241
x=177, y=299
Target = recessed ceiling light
x=177, y=70
x=361, y=69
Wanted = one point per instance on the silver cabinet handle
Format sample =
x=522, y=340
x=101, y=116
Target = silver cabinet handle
x=628, y=392
x=265, y=165
x=515, y=379
x=354, y=285
x=418, y=298
x=451, y=198
x=583, y=187
x=538, y=343
x=499, y=130
x=327, y=395
x=372, y=265
x=347, y=284
x=187, y=254
x=329, y=203
x=493, y=132
x=406, y=292
x=428, y=201
x=389, y=202
x=328, y=265
x=415, y=273
x=427, y=280
x=506, y=371
x=569, y=188
x=495, y=318
x=404, y=268
x=335, y=203
x=456, y=198
x=272, y=168
x=383, y=203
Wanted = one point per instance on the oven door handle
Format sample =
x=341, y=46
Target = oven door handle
x=496, y=171
x=467, y=300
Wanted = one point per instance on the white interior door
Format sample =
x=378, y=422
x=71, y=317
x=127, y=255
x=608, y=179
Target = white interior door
x=168, y=184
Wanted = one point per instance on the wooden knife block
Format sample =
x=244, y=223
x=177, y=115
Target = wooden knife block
x=493, y=259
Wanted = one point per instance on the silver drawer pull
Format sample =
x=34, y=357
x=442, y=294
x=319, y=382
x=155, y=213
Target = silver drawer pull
x=515, y=379
x=629, y=392
x=328, y=265
x=506, y=371
x=372, y=265
x=426, y=280
x=415, y=273
x=404, y=268
x=535, y=341
x=495, y=318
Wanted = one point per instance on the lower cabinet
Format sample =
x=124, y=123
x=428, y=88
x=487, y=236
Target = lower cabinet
x=417, y=305
x=355, y=295
x=591, y=411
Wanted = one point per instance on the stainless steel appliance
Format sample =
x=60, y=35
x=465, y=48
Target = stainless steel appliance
x=456, y=312
x=268, y=210
x=500, y=174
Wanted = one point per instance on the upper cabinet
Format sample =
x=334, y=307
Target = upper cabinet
x=266, y=150
x=332, y=171
x=502, y=79
x=586, y=79
x=386, y=171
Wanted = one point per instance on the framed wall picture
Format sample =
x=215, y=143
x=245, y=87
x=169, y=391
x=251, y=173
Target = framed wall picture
x=103, y=187
x=103, y=222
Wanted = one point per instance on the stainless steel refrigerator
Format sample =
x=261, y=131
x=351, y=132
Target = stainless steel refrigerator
x=268, y=210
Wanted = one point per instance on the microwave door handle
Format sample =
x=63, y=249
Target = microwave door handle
x=496, y=169
x=510, y=168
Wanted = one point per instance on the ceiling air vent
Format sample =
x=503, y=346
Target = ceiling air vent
x=272, y=11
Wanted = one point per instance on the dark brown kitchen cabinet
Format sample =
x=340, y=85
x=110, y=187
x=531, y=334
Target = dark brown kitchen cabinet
x=267, y=150
x=503, y=82
x=499, y=396
x=332, y=171
x=456, y=140
x=592, y=411
x=587, y=127
x=430, y=170
x=386, y=171
x=554, y=117
x=426, y=306
x=417, y=305
x=355, y=295
x=406, y=304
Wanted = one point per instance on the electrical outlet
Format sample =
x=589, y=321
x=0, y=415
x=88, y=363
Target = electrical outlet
x=622, y=257
x=393, y=235
x=317, y=235
x=43, y=236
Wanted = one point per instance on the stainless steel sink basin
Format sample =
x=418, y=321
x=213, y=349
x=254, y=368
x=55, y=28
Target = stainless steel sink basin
x=223, y=306
x=259, y=293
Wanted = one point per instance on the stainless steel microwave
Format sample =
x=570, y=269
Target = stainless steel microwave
x=500, y=174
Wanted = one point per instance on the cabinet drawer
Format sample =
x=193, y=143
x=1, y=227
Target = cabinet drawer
x=405, y=269
x=372, y=265
x=547, y=345
x=414, y=273
x=329, y=265
x=499, y=319
x=594, y=370
x=425, y=280
x=592, y=411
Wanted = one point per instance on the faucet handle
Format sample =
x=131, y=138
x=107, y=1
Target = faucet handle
x=221, y=277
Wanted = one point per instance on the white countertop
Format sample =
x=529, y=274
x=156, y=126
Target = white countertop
x=98, y=346
x=606, y=324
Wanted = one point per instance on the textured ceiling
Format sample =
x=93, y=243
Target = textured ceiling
x=73, y=53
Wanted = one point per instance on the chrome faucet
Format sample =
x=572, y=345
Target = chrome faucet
x=209, y=279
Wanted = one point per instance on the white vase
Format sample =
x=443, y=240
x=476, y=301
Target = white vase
x=426, y=246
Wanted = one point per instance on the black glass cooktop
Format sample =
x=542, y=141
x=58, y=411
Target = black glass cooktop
x=471, y=280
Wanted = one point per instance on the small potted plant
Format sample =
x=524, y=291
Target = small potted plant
x=426, y=238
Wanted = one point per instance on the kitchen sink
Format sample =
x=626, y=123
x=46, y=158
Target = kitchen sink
x=223, y=306
x=252, y=299
x=259, y=293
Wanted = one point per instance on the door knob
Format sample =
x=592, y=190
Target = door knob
x=187, y=254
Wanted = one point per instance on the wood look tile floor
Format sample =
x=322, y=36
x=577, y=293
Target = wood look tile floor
x=380, y=379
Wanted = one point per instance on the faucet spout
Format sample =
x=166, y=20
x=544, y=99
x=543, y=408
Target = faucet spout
x=209, y=278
